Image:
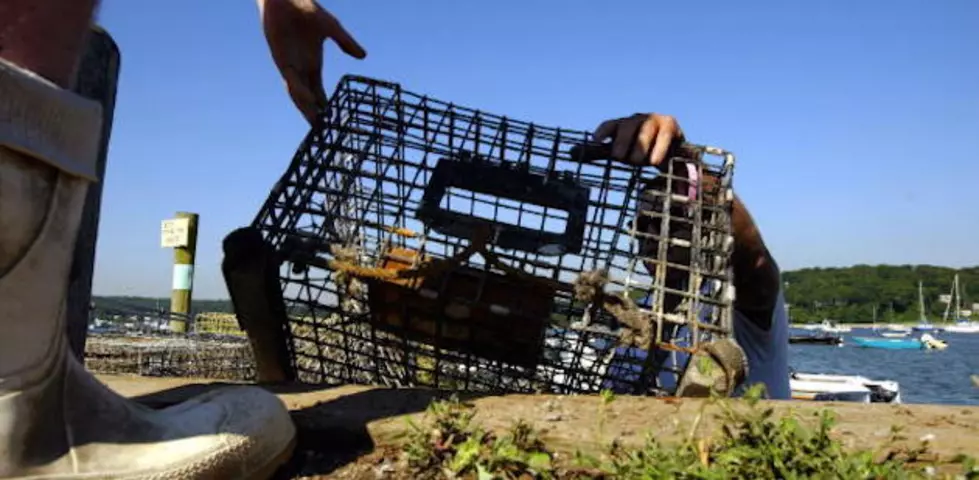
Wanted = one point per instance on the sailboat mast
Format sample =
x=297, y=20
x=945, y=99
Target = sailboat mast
x=948, y=305
x=921, y=304
x=958, y=297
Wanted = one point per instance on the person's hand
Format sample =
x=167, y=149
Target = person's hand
x=295, y=31
x=642, y=139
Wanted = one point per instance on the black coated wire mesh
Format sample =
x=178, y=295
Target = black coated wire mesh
x=429, y=244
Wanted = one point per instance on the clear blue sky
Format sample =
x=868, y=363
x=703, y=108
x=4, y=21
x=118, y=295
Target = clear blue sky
x=856, y=124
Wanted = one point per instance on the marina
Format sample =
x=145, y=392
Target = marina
x=912, y=370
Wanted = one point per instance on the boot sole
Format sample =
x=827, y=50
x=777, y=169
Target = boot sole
x=268, y=470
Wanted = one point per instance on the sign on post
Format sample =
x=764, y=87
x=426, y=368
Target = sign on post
x=175, y=233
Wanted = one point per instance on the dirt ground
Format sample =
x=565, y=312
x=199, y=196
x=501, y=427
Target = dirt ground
x=354, y=432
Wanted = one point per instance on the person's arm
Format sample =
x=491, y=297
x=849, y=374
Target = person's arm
x=756, y=274
x=46, y=37
x=295, y=31
x=645, y=139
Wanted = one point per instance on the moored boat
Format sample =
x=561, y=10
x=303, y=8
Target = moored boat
x=816, y=340
x=843, y=388
x=961, y=325
x=829, y=326
x=925, y=342
x=888, y=343
x=902, y=329
x=894, y=334
x=923, y=324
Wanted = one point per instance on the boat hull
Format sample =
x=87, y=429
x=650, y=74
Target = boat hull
x=967, y=328
x=889, y=343
x=843, y=388
x=894, y=334
x=815, y=340
x=815, y=392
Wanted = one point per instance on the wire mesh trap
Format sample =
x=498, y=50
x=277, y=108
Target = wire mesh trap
x=125, y=338
x=174, y=356
x=428, y=244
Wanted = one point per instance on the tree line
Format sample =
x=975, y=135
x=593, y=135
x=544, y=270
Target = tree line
x=850, y=294
x=844, y=294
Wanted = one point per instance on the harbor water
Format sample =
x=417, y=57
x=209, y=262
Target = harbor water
x=925, y=376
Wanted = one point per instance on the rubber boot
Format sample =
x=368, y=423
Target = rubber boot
x=57, y=421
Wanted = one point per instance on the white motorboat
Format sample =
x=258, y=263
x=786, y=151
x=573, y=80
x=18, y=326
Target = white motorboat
x=891, y=331
x=843, y=388
x=896, y=331
x=889, y=334
x=828, y=326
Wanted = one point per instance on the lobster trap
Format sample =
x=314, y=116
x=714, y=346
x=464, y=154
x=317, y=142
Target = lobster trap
x=428, y=244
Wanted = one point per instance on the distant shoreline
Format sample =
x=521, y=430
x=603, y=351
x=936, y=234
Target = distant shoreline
x=869, y=325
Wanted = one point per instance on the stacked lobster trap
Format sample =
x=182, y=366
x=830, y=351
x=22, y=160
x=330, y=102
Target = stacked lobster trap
x=428, y=244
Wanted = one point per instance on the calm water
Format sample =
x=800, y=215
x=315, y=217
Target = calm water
x=925, y=376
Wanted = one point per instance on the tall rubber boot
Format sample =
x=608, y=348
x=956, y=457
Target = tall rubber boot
x=56, y=420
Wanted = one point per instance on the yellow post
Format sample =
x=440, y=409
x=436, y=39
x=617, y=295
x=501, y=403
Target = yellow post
x=180, y=233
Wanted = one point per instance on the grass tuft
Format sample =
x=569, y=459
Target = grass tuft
x=450, y=445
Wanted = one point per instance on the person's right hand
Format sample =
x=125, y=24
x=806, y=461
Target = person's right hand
x=641, y=139
x=295, y=31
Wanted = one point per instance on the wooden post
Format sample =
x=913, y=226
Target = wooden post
x=97, y=78
x=183, y=231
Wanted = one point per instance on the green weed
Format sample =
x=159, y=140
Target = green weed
x=752, y=442
x=450, y=445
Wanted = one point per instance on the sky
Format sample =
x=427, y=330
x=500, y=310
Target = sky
x=855, y=124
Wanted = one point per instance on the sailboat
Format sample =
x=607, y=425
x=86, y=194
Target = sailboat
x=923, y=324
x=893, y=331
x=961, y=325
